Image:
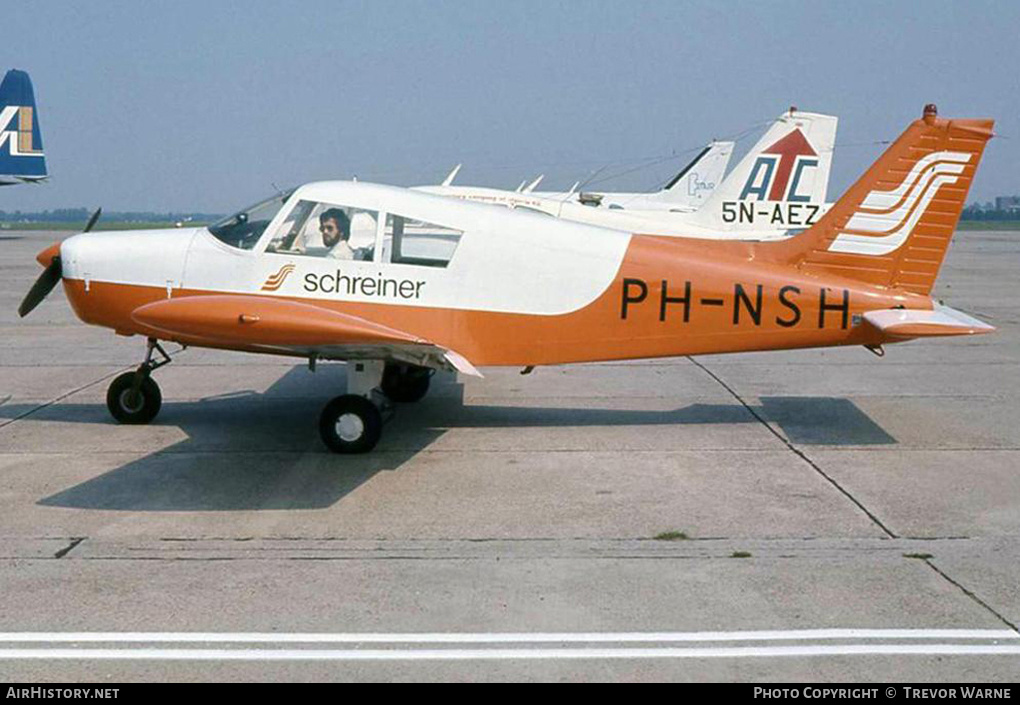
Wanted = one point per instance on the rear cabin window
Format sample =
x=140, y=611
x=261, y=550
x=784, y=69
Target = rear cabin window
x=410, y=241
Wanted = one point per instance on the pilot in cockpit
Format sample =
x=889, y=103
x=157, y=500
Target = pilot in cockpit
x=335, y=227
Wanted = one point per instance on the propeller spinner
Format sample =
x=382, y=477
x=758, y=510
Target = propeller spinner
x=51, y=275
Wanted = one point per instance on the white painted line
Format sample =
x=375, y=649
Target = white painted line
x=144, y=654
x=504, y=637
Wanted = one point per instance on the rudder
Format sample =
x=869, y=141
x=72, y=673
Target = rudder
x=21, y=150
x=893, y=226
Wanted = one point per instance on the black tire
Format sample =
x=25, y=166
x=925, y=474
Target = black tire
x=405, y=383
x=137, y=411
x=350, y=424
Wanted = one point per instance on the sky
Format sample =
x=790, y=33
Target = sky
x=209, y=106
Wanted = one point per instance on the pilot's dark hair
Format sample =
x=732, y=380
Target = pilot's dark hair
x=343, y=223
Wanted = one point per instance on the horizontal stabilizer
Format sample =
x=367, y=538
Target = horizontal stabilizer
x=904, y=324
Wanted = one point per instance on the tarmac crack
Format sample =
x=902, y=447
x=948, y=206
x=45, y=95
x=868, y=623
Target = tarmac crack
x=797, y=451
x=973, y=596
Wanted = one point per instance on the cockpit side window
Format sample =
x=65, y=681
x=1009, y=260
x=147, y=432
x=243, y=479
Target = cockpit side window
x=410, y=241
x=328, y=230
x=244, y=228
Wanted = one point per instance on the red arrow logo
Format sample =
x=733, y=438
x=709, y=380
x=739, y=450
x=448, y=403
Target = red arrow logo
x=788, y=148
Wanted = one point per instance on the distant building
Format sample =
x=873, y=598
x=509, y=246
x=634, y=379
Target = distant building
x=1007, y=203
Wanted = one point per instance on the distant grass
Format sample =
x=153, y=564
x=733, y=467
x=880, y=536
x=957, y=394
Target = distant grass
x=988, y=225
x=740, y=554
x=919, y=556
x=671, y=536
x=76, y=227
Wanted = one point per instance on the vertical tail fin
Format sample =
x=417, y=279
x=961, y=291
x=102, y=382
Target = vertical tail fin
x=894, y=225
x=21, y=150
x=781, y=182
x=696, y=182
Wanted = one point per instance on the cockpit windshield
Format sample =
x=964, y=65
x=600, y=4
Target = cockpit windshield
x=244, y=228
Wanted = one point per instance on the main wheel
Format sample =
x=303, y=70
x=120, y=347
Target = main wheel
x=133, y=408
x=350, y=424
x=405, y=383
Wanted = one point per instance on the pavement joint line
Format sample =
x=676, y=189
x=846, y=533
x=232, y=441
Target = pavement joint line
x=973, y=596
x=796, y=451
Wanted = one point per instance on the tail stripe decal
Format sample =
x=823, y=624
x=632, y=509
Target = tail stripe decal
x=887, y=200
x=936, y=170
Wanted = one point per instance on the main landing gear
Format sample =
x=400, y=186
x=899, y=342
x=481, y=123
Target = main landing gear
x=352, y=422
x=134, y=397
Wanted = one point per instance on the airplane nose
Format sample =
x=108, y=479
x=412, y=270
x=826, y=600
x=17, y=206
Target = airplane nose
x=46, y=256
x=140, y=257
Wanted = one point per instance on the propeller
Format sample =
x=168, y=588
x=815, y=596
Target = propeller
x=92, y=220
x=50, y=277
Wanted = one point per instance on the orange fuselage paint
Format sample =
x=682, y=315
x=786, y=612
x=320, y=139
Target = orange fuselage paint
x=670, y=297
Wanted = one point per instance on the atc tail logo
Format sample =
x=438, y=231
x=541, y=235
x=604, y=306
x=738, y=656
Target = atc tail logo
x=275, y=281
x=776, y=174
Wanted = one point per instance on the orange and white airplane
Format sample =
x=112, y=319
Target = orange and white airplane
x=418, y=282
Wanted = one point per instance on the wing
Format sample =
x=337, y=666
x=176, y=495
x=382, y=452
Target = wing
x=266, y=324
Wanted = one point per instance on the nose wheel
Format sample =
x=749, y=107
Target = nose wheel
x=133, y=406
x=134, y=397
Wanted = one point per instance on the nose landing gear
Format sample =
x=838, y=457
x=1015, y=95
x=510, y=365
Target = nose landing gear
x=134, y=397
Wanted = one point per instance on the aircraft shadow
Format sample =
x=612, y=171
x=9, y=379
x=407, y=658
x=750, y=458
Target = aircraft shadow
x=250, y=450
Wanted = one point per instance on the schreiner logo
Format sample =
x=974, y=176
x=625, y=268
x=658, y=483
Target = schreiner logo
x=885, y=219
x=339, y=283
x=275, y=281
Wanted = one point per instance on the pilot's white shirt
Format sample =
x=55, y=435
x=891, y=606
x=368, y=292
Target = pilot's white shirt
x=341, y=250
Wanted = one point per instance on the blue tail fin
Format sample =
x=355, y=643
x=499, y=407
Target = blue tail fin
x=21, y=149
